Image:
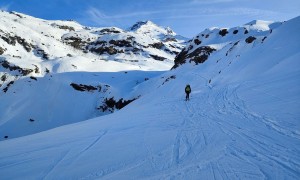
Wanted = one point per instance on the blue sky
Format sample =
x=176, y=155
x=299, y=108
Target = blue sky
x=185, y=17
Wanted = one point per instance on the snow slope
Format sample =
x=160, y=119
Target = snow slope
x=40, y=60
x=241, y=123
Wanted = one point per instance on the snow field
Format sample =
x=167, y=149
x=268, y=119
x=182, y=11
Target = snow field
x=242, y=121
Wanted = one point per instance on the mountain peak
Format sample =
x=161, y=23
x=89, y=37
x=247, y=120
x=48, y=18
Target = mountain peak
x=262, y=25
x=251, y=23
x=152, y=29
x=139, y=24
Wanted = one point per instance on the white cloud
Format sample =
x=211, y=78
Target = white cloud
x=172, y=12
x=186, y=13
x=96, y=16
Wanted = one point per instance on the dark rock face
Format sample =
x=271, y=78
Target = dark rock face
x=3, y=77
x=109, y=30
x=22, y=71
x=11, y=12
x=197, y=41
x=158, y=45
x=12, y=40
x=111, y=104
x=2, y=50
x=102, y=43
x=235, y=31
x=169, y=39
x=158, y=58
x=138, y=25
x=47, y=71
x=7, y=86
x=9, y=39
x=127, y=45
x=121, y=43
x=76, y=42
x=180, y=59
x=223, y=32
x=199, y=55
x=65, y=27
x=111, y=47
x=40, y=52
x=109, y=50
x=27, y=46
x=34, y=78
x=250, y=39
x=135, y=50
x=82, y=87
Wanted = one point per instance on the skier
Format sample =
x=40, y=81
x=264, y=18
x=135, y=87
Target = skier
x=188, y=90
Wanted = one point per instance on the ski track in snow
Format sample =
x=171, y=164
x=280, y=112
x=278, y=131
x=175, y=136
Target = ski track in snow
x=92, y=144
x=257, y=146
x=54, y=166
x=223, y=140
x=201, y=127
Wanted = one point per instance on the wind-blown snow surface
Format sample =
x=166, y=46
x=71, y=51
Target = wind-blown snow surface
x=244, y=124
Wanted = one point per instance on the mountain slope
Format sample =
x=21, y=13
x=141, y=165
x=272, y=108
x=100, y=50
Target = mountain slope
x=54, y=73
x=243, y=124
x=23, y=36
x=224, y=39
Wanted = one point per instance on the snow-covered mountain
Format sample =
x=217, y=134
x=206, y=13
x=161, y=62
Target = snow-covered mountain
x=60, y=72
x=242, y=121
x=142, y=45
x=148, y=46
x=223, y=39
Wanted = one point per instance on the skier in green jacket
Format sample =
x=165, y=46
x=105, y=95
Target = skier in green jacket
x=188, y=90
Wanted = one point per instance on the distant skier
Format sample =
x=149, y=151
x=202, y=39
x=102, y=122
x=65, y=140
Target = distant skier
x=188, y=90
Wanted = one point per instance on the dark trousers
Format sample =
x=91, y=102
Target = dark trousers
x=187, y=97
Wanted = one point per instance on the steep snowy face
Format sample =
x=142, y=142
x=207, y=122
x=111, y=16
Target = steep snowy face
x=214, y=40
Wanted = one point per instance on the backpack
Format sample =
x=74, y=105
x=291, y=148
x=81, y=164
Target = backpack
x=187, y=88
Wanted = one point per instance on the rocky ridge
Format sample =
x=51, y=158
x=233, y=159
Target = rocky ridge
x=227, y=40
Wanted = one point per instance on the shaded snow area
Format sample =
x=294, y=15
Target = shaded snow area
x=242, y=120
